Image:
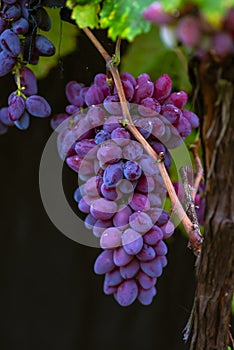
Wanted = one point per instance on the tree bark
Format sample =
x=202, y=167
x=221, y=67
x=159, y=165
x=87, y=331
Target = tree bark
x=215, y=270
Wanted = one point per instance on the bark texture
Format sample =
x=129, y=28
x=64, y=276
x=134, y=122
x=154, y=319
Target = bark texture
x=215, y=271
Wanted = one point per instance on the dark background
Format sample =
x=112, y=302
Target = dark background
x=50, y=297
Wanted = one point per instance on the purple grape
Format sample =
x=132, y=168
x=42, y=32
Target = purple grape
x=100, y=81
x=153, y=236
x=148, y=166
x=109, y=290
x=121, y=258
x=3, y=24
x=43, y=20
x=158, y=128
x=127, y=293
x=129, y=77
x=158, y=147
x=113, y=278
x=109, y=193
x=100, y=226
x=28, y=81
x=145, y=296
x=143, y=78
x=140, y=222
x=113, y=174
x=6, y=63
x=191, y=117
x=132, y=170
x=112, y=105
x=16, y=107
x=128, y=89
x=143, y=90
x=86, y=148
x=78, y=194
x=91, y=186
x=132, y=151
x=121, y=218
x=23, y=122
x=223, y=44
x=178, y=99
x=139, y=202
x=147, y=253
x=89, y=221
x=145, y=184
x=149, y=107
x=94, y=96
x=95, y=116
x=121, y=136
x=111, y=238
x=44, y=46
x=126, y=186
x=72, y=109
x=4, y=117
x=163, y=260
x=12, y=12
x=160, y=248
x=167, y=229
x=72, y=91
x=132, y=241
x=162, y=87
x=57, y=120
x=130, y=270
x=171, y=113
x=155, y=14
x=152, y=268
x=145, y=280
x=21, y=26
x=183, y=126
x=103, y=209
x=38, y=106
x=155, y=200
x=109, y=152
x=74, y=162
x=163, y=218
x=144, y=126
x=102, y=136
x=104, y=262
x=188, y=30
x=112, y=123
x=84, y=204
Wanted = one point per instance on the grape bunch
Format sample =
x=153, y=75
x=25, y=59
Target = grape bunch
x=20, y=44
x=192, y=30
x=121, y=192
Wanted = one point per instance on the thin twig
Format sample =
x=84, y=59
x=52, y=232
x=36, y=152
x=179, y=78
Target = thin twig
x=199, y=168
x=193, y=232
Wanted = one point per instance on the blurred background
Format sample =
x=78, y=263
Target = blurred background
x=50, y=297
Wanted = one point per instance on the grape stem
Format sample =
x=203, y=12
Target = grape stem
x=195, y=238
x=199, y=174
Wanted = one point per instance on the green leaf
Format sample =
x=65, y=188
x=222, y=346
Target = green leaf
x=85, y=15
x=124, y=18
x=68, y=41
x=147, y=54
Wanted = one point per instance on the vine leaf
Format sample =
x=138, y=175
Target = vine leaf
x=85, y=15
x=124, y=18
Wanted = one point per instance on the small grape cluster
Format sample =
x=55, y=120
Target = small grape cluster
x=20, y=44
x=191, y=29
x=121, y=191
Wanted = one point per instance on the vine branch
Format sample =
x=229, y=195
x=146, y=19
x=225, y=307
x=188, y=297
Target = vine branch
x=199, y=175
x=193, y=231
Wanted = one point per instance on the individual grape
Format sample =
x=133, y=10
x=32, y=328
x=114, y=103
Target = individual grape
x=112, y=123
x=127, y=293
x=121, y=136
x=28, y=81
x=37, y=106
x=4, y=117
x=101, y=82
x=57, y=120
x=108, y=290
x=222, y=44
x=148, y=166
x=167, y=229
x=128, y=76
x=155, y=14
x=111, y=238
x=21, y=26
x=102, y=136
x=145, y=280
x=78, y=193
x=109, y=152
x=160, y=186
x=152, y=268
x=132, y=241
x=74, y=162
x=110, y=193
x=104, y=262
x=72, y=109
x=91, y=186
x=132, y=170
x=126, y=186
x=95, y=116
x=162, y=87
x=140, y=222
x=11, y=12
x=86, y=169
x=160, y=248
x=121, y=218
x=44, y=46
x=145, y=296
x=43, y=20
x=89, y=221
x=163, y=260
x=145, y=184
x=147, y=253
x=153, y=236
x=158, y=128
x=84, y=204
x=23, y=122
x=130, y=270
x=72, y=91
x=144, y=126
x=113, y=174
x=100, y=226
x=188, y=30
x=128, y=89
x=183, y=126
x=86, y=148
x=142, y=78
x=158, y=147
x=139, y=202
x=120, y=257
x=3, y=24
x=191, y=117
x=6, y=63
x=16, y=107
x=132, y=151
x=94, y=96
x=163, y=218
x=171, y=113
x=113, y=278
x=143, y=90
x=103, y=209
x=149, y=107
x=112, y=105
x=178, y=99
x=155, y=200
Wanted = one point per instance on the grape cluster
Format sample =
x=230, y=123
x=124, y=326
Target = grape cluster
x=192, y=30
x=20, y=44
x=121, y=191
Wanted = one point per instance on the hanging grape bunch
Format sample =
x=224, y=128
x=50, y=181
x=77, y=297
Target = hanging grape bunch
x=121, y=191
x=20, y=44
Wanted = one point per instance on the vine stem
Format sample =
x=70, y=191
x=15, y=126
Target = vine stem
x=192, y=230
x=199, y=167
